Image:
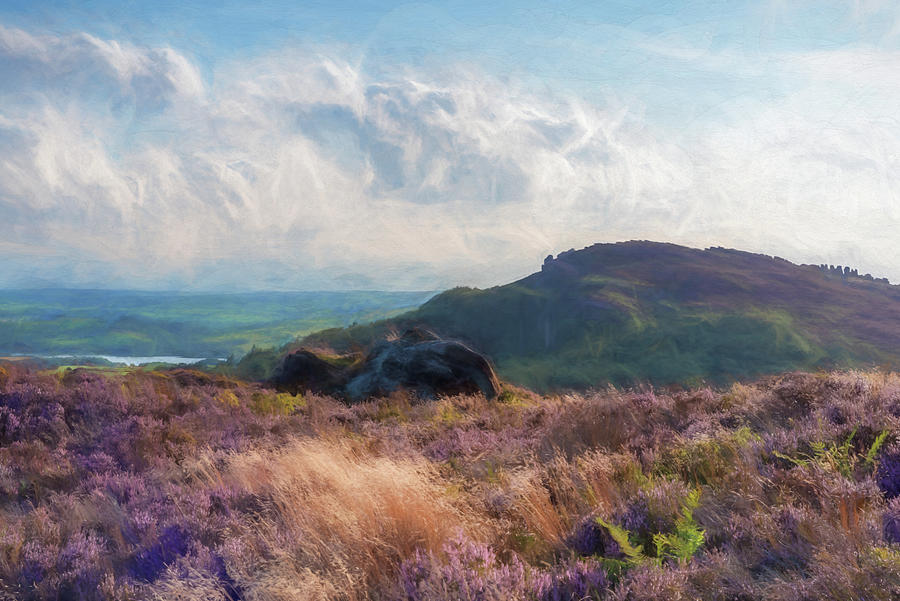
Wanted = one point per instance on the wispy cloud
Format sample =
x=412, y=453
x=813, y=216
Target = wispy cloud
x=121, y=166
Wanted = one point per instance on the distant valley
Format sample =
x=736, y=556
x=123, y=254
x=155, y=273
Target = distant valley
x=130, y=323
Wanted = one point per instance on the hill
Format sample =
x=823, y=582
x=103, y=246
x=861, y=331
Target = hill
x=661, y=313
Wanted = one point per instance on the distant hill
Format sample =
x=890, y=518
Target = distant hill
x=127, y=322
x=661, y=313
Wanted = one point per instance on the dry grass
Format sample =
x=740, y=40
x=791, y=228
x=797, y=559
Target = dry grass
x=338, y=520
x=551, y=500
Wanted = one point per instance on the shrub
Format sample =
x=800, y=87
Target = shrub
x=149, y=563
x=591, y=537
x=280, y=403
x=888, y=473
x=575, y=580
x=466, y=571
x=891, y=522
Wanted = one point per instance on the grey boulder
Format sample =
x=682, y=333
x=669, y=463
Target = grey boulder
x=419, y=362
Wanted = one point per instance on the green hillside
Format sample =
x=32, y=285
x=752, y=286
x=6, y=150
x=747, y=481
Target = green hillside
x=660, y=313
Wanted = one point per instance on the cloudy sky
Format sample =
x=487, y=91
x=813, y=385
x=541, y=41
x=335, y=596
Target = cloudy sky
x=379, y=145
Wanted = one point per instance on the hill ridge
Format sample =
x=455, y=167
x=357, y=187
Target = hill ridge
x=643, y=311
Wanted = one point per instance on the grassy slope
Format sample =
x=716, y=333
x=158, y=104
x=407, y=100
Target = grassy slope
x=661, y=313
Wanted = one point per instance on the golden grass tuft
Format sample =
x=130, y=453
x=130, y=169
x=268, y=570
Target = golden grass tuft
x=339, y=520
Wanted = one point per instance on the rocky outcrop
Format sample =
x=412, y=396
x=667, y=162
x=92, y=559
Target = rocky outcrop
x=303, y=370
x=418, y=361
x=423, y=363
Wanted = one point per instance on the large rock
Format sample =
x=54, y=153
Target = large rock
x=423, y=363
x=303, y=370
x=419, y=362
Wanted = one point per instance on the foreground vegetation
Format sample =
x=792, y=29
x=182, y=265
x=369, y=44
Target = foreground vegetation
x=180, y=485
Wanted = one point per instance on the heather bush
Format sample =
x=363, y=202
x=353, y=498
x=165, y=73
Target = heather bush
x=649, y=582
x=151, y=561
x=891, y=522
x=468, y=571
x=888, y=472
x=182, y=485
x=590, y=537
x=574, y=580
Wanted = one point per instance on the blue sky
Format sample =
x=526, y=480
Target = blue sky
x=223, y=145
x=576, y=46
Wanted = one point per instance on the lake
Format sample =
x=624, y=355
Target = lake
x=130, y=360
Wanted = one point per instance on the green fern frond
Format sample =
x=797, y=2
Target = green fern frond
x=876, y=446
x=635, y=554
x=688, y=537
x=796, y=461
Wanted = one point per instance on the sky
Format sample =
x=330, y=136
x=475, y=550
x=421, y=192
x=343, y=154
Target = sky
x=419, y=146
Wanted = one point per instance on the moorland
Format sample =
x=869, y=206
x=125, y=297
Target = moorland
x=664, y=424
x=182, y=485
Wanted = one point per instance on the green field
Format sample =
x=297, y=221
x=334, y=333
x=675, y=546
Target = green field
x=104, y=322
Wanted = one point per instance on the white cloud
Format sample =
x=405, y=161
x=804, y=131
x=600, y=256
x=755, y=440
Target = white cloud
x=120, y=167
x=83, y=66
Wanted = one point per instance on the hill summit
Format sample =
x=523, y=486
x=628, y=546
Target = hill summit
x=653, y=312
